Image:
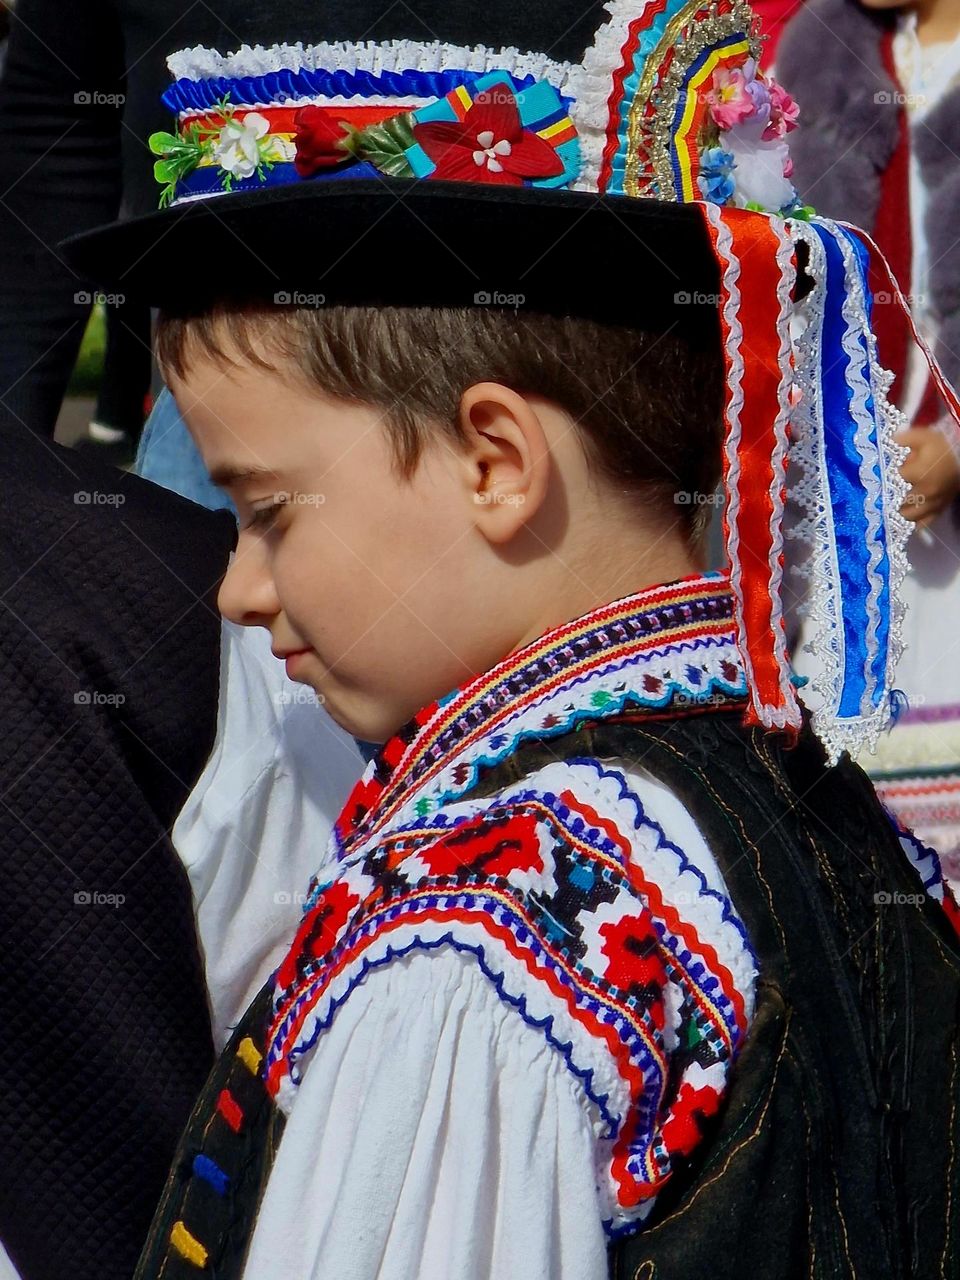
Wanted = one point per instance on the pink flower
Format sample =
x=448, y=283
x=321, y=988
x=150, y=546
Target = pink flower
x=783, y=112
x=730, y=100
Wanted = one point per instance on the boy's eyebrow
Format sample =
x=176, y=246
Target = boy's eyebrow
x=230, y=473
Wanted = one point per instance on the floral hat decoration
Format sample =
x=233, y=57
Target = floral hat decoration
x=626, y=161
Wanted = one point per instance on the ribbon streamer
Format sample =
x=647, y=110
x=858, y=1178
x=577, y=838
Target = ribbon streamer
x=757, y=272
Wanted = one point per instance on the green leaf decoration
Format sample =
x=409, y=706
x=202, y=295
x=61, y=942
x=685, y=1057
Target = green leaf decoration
x=160, y=143
x=166, y=171
x=384, y=144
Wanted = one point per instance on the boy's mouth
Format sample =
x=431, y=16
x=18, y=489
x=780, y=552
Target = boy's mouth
x=290, y=658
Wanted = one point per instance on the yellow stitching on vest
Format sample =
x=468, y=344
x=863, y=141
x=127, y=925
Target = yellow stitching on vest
x=953, y=1112
x=735, y=819
x=782, y=783
x=646, y=1271
x=187, y=1245
x=806, y=1120
x=950, y=961
x=843, y=1221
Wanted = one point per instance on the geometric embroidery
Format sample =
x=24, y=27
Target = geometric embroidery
x=587, y=920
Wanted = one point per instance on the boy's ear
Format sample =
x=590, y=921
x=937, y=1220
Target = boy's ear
x=507, y=458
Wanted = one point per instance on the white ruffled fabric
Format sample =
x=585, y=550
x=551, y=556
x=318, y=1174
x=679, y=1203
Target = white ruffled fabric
x=201, y=63
x=435, y=1133
x=254, y=827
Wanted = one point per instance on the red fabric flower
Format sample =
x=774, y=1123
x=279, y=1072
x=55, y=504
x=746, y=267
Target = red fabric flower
x=488, y=145
x=317, y=135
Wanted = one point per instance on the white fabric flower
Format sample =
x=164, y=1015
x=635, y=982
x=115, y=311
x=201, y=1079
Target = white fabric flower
x=237, y=148
x=759, y=167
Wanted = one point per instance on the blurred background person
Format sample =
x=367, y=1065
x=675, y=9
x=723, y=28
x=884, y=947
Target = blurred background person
x=878, y=85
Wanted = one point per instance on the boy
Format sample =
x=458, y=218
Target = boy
x=597, y=970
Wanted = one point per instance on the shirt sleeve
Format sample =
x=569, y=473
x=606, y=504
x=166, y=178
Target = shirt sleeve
x=454, y=1117
x=254, y=827
x=436, y=1134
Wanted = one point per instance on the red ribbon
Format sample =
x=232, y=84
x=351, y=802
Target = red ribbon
x=754, y=459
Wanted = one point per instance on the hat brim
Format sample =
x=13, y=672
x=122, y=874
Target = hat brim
x=643, y=263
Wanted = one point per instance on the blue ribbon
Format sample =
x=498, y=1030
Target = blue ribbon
x=276, y=86
x=848, y=495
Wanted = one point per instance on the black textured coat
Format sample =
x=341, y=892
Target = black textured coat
x=110, y=645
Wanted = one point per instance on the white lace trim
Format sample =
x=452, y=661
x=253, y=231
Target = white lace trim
x=885, y=495
x=730, y=265
x=201, y=63
x=591, y=84
x=789, y=713
x=821, y=571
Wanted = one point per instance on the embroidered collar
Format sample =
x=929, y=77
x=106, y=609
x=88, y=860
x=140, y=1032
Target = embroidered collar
x=666, y=646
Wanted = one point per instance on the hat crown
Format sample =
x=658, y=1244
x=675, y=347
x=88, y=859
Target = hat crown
x=661, y=99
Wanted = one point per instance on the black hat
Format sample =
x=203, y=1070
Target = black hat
x=545, y=155
x=625, y=162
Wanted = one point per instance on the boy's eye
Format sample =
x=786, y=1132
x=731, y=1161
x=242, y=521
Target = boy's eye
x=263, y=517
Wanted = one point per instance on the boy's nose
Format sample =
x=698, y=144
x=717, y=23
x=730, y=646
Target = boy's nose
x=247, y=595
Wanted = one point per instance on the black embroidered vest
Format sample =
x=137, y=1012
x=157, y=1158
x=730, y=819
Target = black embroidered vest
x=835, y=1154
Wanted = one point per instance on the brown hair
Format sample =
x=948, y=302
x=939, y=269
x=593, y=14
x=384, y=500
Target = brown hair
x=648, y=406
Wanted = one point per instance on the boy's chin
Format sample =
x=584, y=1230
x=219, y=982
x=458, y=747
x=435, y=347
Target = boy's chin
x=360, y=722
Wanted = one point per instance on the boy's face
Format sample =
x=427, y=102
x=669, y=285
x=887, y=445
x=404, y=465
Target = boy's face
x=381, y=581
